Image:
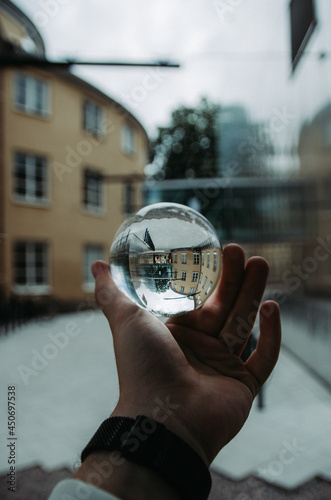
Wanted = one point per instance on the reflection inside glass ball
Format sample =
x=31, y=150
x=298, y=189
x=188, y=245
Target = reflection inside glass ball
x=166, y=258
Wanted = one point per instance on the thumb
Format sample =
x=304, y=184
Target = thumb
x=114, y=304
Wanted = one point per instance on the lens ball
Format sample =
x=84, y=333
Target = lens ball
x=167, y=258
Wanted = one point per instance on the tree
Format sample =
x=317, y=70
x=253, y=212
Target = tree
x=187, y=147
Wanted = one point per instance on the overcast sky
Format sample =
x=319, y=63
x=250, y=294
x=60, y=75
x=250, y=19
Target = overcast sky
x=232, y=51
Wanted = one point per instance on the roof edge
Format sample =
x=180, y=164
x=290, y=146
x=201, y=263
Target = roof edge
x=69, y=76
x=17, y=13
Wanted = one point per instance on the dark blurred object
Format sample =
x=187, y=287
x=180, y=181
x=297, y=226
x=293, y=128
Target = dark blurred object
x=16, y=311
x=303, y=22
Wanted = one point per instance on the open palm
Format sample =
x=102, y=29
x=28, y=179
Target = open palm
x=187, y=372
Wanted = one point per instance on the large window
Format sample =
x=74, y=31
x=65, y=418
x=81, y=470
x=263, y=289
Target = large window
x=93, y=118
x=31, y=266
x=91, y=254
x=31, y=94
x=93, y=191
x=128, y=140
x=30, y=178
x=196, y=258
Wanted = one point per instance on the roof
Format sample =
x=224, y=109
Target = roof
x=64, y=72
x=83, y=84
x=31, y=29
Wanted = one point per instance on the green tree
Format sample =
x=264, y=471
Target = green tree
x=187, y=147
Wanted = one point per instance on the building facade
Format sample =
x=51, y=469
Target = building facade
x=71, y=163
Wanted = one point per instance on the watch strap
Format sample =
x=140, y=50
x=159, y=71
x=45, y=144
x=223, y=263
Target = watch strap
x=148, y=442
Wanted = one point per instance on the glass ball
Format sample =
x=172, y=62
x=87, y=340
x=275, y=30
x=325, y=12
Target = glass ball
x=167, y=258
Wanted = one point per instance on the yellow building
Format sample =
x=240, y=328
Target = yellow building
x=195, y=272
x=71, y=161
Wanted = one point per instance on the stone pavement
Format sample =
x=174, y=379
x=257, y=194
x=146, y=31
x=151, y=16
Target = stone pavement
x=65, y=377
x=34, y=483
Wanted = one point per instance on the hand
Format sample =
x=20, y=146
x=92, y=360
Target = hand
x=187, y=372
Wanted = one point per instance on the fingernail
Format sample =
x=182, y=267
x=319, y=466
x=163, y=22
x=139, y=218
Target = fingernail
x=95, y=268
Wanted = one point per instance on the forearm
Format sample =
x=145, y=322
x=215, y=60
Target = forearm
x=129, y=481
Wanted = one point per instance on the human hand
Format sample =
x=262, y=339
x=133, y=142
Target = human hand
x=187, y=372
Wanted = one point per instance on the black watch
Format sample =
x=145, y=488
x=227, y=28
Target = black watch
x=149, y=443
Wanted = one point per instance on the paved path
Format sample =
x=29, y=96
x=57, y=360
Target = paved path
x=66, y=384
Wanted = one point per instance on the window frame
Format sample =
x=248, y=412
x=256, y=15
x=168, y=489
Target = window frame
x=93, y=118
x=31, y=286
x=97, y=189
x=195, y=276
x=30, y=179
x=128, y=140
x=28, y=99
x=215, y=262
x=196, y=258
x=87, y=278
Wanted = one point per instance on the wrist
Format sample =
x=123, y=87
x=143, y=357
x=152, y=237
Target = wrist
x=165, y=412
x=111, y=472
x=151, y=446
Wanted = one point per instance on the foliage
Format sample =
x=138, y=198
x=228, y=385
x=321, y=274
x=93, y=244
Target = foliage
x=187, y=147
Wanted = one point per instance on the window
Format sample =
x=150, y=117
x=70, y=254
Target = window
x=202, y=259
x=200, y=280
x=31, y=95
x=175, y=258
x=93, y=119
x=208, y=259
x=184, y=258
x=215, y=262
x=192, y=289
x=91, y=254
x=196, y=258
x=195, y=276
x=30, y=178
x=128, y=199
x=182, y=289
x=204, y=282
x=30, y=266
x=175, y=274
x=183, y=275
x=93, y=191
x=209, y=288
x=128, y=140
